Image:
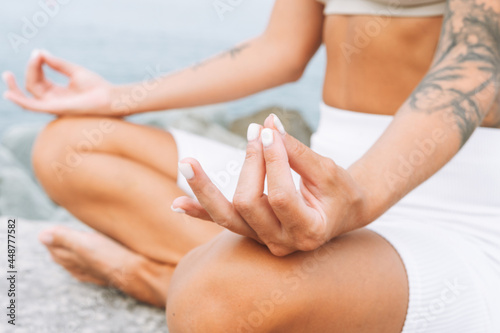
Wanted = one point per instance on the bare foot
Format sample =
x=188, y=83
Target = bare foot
x=95, y=258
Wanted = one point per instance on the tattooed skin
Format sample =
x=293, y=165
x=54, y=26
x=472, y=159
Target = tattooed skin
x=492, y=119
x=233, y=53
x=465, y=75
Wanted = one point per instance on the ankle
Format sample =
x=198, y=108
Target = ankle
x=158, y=275
x=148, y=281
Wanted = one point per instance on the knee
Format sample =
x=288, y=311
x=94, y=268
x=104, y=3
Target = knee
x=49, y=142
x=58, y=151
x=59, y=147
x=48, y=147
x=49, y=153
x=214, y=289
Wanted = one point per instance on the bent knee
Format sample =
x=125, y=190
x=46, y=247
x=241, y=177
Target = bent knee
x=234, y=284
x=60, y=145
x=231, y=284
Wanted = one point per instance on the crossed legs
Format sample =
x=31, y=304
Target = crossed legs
x=120, y=179
x=122, y=185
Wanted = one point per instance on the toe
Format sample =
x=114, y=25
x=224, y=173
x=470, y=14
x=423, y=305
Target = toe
x=83, y=277
x=46, y=237
x=60, y=236
x=70, y=262
x=62, y=256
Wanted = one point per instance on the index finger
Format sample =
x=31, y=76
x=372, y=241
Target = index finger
x=65, y=67
x=35, y=78
x=214, y=202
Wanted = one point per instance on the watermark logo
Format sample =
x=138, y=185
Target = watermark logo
x=450, y=294
x=222, y=7
x=122, y=104
x=31, y=26
x=363, y=36
x=75, y=155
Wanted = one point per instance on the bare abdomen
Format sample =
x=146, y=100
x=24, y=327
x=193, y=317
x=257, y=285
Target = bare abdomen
x=374, y=63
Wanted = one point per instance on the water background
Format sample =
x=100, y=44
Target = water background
x=120, y=40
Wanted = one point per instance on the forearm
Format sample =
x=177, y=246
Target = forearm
x=244, y=70
x=442, y=112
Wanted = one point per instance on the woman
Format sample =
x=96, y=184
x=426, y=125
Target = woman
x=379, y=258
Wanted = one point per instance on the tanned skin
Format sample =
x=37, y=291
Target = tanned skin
x=435, y=74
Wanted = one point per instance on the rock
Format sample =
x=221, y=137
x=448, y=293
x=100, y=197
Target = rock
x=50, y=300
x=19, y=141
x=19, y=194
x=294, y=124
x=200, y=125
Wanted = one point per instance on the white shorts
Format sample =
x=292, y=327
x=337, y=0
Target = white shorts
x=447, y=231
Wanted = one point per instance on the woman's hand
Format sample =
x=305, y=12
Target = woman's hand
x=86, y=93
x=328, y=204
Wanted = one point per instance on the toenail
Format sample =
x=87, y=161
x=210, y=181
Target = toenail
x=46, y=238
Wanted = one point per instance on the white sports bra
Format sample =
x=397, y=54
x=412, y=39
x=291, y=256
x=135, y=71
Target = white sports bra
x=411, y=8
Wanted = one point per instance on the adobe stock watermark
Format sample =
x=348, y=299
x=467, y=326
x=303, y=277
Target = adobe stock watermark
x=363, y=36
x=75, y=155
x=32, y=25
x=291, y=282
x=124, y=102
x=223, y=7
x=426, y=148
x=484, y=91
x=223, y=178
x=407, y=164
x=450, y=294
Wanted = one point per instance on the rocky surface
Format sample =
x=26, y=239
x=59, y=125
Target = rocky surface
x=49, y=300
x=291, y=119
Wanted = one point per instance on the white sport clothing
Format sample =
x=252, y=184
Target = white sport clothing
x=447, y=231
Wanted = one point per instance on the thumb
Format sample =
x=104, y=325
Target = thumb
x=58, y=64
x=311, y=166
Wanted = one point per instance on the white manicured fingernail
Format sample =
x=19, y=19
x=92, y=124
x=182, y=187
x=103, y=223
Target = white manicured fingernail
x=186, y=170
x=5, y=75
x=267, y=137
x=253, y=132
x=278, y=124
x=35, y=53
x=45, y=52
x=178, y=210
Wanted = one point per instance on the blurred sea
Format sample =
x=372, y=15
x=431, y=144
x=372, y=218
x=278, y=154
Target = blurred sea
x=121, y=40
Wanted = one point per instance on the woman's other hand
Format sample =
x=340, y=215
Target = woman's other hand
x=86, y=93
x=329, y=201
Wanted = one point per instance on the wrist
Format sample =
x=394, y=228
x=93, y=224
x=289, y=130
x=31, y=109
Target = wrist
x=355, y=206
x=367, y=203
x=123, y=100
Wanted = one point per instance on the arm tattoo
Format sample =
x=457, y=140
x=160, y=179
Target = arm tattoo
x=233, y=53
x=464, y=78
x=493, y=117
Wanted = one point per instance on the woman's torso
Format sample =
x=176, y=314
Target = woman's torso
x=375, y=62
x=373, y=66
